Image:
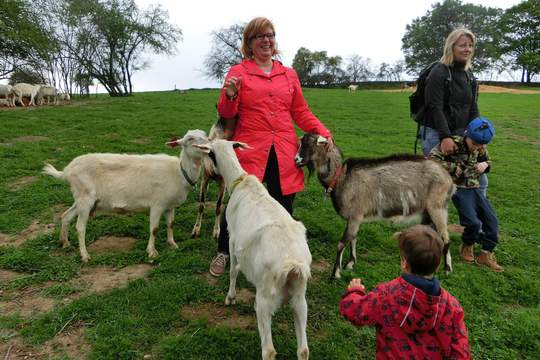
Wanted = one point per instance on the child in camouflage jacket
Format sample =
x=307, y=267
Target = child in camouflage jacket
x=475, y=212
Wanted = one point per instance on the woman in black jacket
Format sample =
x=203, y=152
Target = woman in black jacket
x=451, y=95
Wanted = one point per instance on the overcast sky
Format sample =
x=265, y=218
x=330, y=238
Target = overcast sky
x=368, y=28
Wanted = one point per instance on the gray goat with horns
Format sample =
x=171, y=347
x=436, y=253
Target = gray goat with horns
x=397, y=185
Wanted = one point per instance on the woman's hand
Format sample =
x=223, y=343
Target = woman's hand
x=232, y=86
x=448, y=146
x=356, y=283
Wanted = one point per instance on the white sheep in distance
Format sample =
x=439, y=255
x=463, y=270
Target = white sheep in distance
x=49, y=92
x=121, y=183
x=267, y=245
x=6, y=91
x=26, y=90
x=353, y=88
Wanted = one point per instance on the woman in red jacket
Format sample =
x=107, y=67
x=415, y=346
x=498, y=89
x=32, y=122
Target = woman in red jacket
x=267, y=99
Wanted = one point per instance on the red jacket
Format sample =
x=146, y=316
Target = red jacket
x=267, y=105
x=410, y=324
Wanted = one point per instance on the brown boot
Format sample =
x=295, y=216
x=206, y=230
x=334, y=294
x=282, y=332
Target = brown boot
x=488, y=259
x=217, y=266
x=466, y=252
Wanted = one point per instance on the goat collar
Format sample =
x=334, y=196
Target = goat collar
x=186, y=176
x=332, y=184
x=237, y=181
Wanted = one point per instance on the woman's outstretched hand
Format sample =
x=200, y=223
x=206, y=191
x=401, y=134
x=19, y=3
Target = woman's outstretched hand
x=232, y=86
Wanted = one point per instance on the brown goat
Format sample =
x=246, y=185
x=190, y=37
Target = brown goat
x=222, y=129
x=398, y=185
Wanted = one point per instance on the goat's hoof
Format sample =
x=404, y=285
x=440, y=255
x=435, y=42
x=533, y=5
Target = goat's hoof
x=152, y=253
x=349, y=265
x=269, y=354
x=85, y=259
x=64, y=244
x=230, y=301
x=303, y=354
x=195, y=234
x=173, y=245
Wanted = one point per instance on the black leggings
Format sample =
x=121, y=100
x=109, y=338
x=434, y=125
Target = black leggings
x=273, y=184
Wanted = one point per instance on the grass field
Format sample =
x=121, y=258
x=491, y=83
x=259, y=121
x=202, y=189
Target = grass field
x=121, y=306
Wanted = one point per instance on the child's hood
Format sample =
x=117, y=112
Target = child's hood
x=418, y=311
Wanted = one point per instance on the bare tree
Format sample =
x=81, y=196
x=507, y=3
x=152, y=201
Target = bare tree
x=359, y=68
x=225, y=51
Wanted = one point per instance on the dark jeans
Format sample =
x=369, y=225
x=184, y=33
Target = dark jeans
x=273, y=185
x=475, y=214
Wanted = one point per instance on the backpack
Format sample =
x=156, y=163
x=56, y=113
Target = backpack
x=417, y=99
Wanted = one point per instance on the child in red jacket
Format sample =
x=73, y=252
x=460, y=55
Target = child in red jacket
x=415, y=318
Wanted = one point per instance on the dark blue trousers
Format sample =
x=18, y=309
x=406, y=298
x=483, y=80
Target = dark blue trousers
x=475, y=214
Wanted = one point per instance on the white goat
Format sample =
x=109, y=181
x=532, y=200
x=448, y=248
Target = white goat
x=6, y=91
x=26, y=90
x=267, y=245
x=353, y=88
x=126, y=183
x=49, y=92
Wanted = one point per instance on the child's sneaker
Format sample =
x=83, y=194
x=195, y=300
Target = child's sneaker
x=466, y=252
x=217, y=266
x=488, y=259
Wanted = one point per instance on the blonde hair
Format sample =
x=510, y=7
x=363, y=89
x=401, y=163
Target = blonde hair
x=451, y=40
x=254, y=27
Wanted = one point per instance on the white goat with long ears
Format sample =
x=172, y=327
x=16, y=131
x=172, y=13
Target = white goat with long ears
x=267, y=245
x=121, y=183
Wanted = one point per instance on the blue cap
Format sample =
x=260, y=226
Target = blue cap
x=481, y=130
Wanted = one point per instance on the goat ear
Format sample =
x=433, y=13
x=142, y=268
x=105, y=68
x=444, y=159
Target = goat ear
x=174, y=142
x=241, y=145
x=396, y=235
x=205, y=148
x=322, y=140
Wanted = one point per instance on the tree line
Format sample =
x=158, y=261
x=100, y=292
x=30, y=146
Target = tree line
x=68, y=43
x=506, y=40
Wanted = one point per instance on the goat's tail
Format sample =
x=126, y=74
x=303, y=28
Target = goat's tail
x=291, y=274
x=50, y=170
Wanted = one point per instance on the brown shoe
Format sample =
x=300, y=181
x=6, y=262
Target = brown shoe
x=466, y=252
x=217, y=266
x=488, y=259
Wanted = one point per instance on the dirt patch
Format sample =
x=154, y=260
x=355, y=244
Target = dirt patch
x=500, y=89
x=218, y=315
x=104, y=278
x=212, y=280
x=70, y=342
x=320, y=266
x=8, y=275
x=245, y=296
x=111, y=243
x=31, y=138
x=25, y=302
x=20, y=183
x=35, y=229
x=455, y=228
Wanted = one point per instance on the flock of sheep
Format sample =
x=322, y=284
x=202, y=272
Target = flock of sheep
x=10, y=95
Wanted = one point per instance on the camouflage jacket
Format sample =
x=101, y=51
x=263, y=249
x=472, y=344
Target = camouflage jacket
x=463, y=159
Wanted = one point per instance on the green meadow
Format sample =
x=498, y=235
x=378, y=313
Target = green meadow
x=174, y=309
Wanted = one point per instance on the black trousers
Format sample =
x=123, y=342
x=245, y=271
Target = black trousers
x=273, y=185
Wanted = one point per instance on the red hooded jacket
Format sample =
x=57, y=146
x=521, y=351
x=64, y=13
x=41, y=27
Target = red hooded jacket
x=267, y=105
x=410, y=324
